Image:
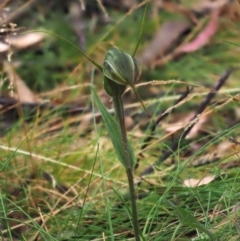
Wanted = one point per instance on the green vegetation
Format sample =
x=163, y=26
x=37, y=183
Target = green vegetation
x=60, y=176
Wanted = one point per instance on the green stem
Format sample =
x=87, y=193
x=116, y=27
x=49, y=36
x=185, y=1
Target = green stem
x=175, y=232
x=118, y=105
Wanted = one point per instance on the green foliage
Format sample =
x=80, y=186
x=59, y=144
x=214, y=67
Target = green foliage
x=114, y=133
x=69, y=152
x=187, y=219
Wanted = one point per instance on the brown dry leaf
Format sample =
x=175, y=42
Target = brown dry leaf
x=184, y=120
x=224, y=147
x=227, y=146
x=22, y=41
x=165, y=39
x=203, y=37
x=26, y=40
x=4, y=47
x=22, y=93
x=198, y=126
x=198, y=182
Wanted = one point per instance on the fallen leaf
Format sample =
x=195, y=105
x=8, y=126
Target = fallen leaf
x=198, y=126
x=204, y=37
x=22, y=93
x=25, y=40
x=165, y=39
x=198, y=182
x=21, y=41
x=4, y=47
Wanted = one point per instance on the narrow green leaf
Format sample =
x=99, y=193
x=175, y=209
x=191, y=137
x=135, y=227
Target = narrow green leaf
x=141, y=29
x=114, y=132
x=231, y=43
x=187, y=219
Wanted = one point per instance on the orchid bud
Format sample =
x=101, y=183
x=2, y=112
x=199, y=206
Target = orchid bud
x=121, y=67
